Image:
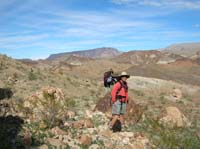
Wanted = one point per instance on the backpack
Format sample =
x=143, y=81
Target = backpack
x=107, y=79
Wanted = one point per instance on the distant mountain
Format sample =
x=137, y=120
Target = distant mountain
x=146, y=57
x=139, y=57
x=184, y=49
x=182, y=71
x=92, y=53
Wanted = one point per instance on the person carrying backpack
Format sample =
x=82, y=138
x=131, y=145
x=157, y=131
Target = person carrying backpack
x=108, y=78
x=119, y=95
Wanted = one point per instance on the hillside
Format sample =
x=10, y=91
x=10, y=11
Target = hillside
x=93, y=53
x=53, y=104
x=184, y=49
x=182, y=71
x=146, y=57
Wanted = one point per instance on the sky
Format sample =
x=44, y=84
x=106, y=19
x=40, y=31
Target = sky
x=37, y=28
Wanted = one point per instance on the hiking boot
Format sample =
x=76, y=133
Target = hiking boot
x=110, y=127
x=124, y=128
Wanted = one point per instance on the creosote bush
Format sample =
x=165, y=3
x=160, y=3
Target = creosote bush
x=49, y=104
x=32, y=76
x=163, y=136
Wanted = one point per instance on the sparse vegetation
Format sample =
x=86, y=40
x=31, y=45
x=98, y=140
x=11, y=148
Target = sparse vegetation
x=82, y=91
x=164, y=136
x=32, y=76
x=138, y=92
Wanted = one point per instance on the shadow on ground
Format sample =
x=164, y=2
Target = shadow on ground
x=5, y=93
x=10, y=126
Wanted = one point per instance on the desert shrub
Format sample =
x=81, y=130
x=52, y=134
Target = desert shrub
x=38, y=134
x=70, y=103
x=163, y=136
x=32, y=76
x=138, y=92
x=162, y=98
x=1, y=65
x=150, y=98
x=49, y=104
x=98, y=120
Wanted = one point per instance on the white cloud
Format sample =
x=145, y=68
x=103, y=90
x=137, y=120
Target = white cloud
x=179, y=4
x=196, y=25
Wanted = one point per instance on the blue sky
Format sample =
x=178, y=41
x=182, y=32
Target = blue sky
x=37, y=28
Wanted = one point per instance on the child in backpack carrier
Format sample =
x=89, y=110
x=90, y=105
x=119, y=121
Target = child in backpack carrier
x=108, y=78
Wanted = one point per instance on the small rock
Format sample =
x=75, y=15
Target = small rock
x=42, y=125
x=106, y=133
x=88, y=113
x=140, y=142
x=55, y=142
x=70, y=114
x=85, y=140
x=57, y=131
x=43, y=147
x=78, y=124
x=94, y=146
x=27, y=139
x=89, y=123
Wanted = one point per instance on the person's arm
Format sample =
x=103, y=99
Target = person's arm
x=126, y=95
x=114, y=91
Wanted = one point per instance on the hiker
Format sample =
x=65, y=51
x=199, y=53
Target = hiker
x=119, y=95
x=108, y=78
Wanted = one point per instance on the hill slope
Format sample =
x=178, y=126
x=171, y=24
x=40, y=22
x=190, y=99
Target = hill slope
x=184, y=49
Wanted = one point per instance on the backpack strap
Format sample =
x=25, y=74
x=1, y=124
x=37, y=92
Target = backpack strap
x=118, y=97
x=119, y=89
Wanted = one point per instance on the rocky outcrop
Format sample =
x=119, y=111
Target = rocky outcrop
x=49, y=103
x=174, y=117
x=134, y=111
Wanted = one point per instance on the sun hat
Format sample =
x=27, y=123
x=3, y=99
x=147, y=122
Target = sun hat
x=124, y=74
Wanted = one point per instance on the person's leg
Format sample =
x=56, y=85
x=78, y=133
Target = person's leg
x=121, y=118
x=115, y=113
x=114, y=119
x=122, y=112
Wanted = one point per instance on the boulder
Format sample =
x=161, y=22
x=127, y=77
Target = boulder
x=173, y=116
x=134, y=111
x=48, y=104
x=177, y=94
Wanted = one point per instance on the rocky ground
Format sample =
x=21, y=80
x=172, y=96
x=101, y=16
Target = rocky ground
x=43, y=108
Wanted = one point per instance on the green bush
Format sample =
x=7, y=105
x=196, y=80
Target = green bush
x=32, y=76
x=170, y=138
x=138, y=92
